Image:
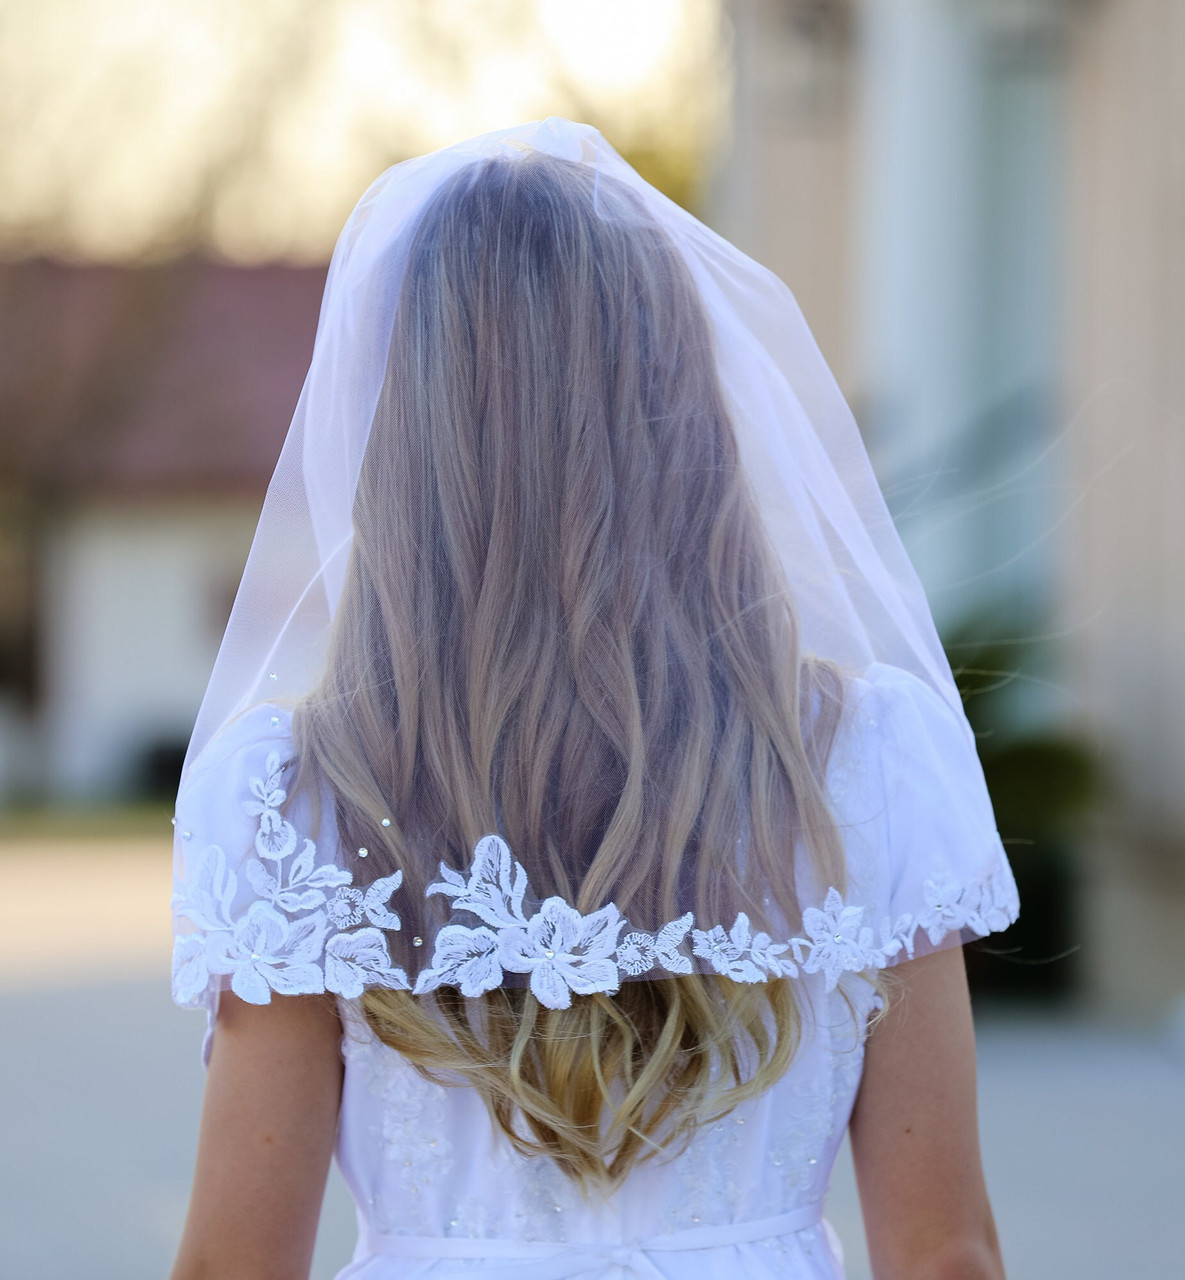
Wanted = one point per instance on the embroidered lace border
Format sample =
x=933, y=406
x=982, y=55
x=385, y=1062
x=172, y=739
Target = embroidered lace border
x=310, y=929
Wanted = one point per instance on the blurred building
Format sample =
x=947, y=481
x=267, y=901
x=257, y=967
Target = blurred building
x=143, y=409
x=978, y=204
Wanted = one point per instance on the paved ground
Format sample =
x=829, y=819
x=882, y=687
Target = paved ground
x=100, y=1086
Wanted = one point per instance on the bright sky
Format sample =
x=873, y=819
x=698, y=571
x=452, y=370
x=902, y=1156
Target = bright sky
x=135, y=128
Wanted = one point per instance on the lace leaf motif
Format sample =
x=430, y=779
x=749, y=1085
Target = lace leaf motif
x=302, y=933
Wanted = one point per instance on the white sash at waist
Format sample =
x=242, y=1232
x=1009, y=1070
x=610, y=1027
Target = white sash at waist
x=555, y=1260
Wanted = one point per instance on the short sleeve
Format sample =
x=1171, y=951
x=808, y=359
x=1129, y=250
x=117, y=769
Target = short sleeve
x=926, y=867
x=261, y=902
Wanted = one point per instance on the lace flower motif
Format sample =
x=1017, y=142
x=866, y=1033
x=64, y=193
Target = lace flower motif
x=562, y=950
x=640, y=952
x=266, y=952
x=839, y=942
x=727, y=952
x=345, y=908
x=279, y=942
x=309, y=928
x=465, y=958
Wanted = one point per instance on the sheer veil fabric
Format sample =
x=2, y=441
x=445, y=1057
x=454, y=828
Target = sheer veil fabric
x=267, y=900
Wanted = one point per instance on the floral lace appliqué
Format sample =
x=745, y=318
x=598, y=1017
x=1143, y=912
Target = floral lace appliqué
x=309, y=928
x=282, y=941
x=566, y=952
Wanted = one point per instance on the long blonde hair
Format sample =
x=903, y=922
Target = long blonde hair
x=563, y=622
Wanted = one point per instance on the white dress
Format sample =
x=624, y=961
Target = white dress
x=440, y=1193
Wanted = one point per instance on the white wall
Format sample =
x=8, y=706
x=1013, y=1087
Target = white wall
x=134, y=601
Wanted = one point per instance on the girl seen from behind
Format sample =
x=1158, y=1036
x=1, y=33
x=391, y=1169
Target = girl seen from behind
x=579, y=756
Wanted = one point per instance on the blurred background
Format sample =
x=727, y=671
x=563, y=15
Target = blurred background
x=980, y=206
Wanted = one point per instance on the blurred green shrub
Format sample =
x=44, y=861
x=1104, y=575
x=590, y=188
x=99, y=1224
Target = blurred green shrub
x=1043, y=782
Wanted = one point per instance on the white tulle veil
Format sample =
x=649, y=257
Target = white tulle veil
x=262, y=906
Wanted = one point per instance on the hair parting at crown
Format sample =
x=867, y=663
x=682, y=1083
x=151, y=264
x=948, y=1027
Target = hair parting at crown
x=563, y=622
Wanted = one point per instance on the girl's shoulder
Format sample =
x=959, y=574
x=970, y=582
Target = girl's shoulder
x=925, y=863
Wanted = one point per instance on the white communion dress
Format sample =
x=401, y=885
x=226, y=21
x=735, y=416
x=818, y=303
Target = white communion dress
x=439, y=1191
